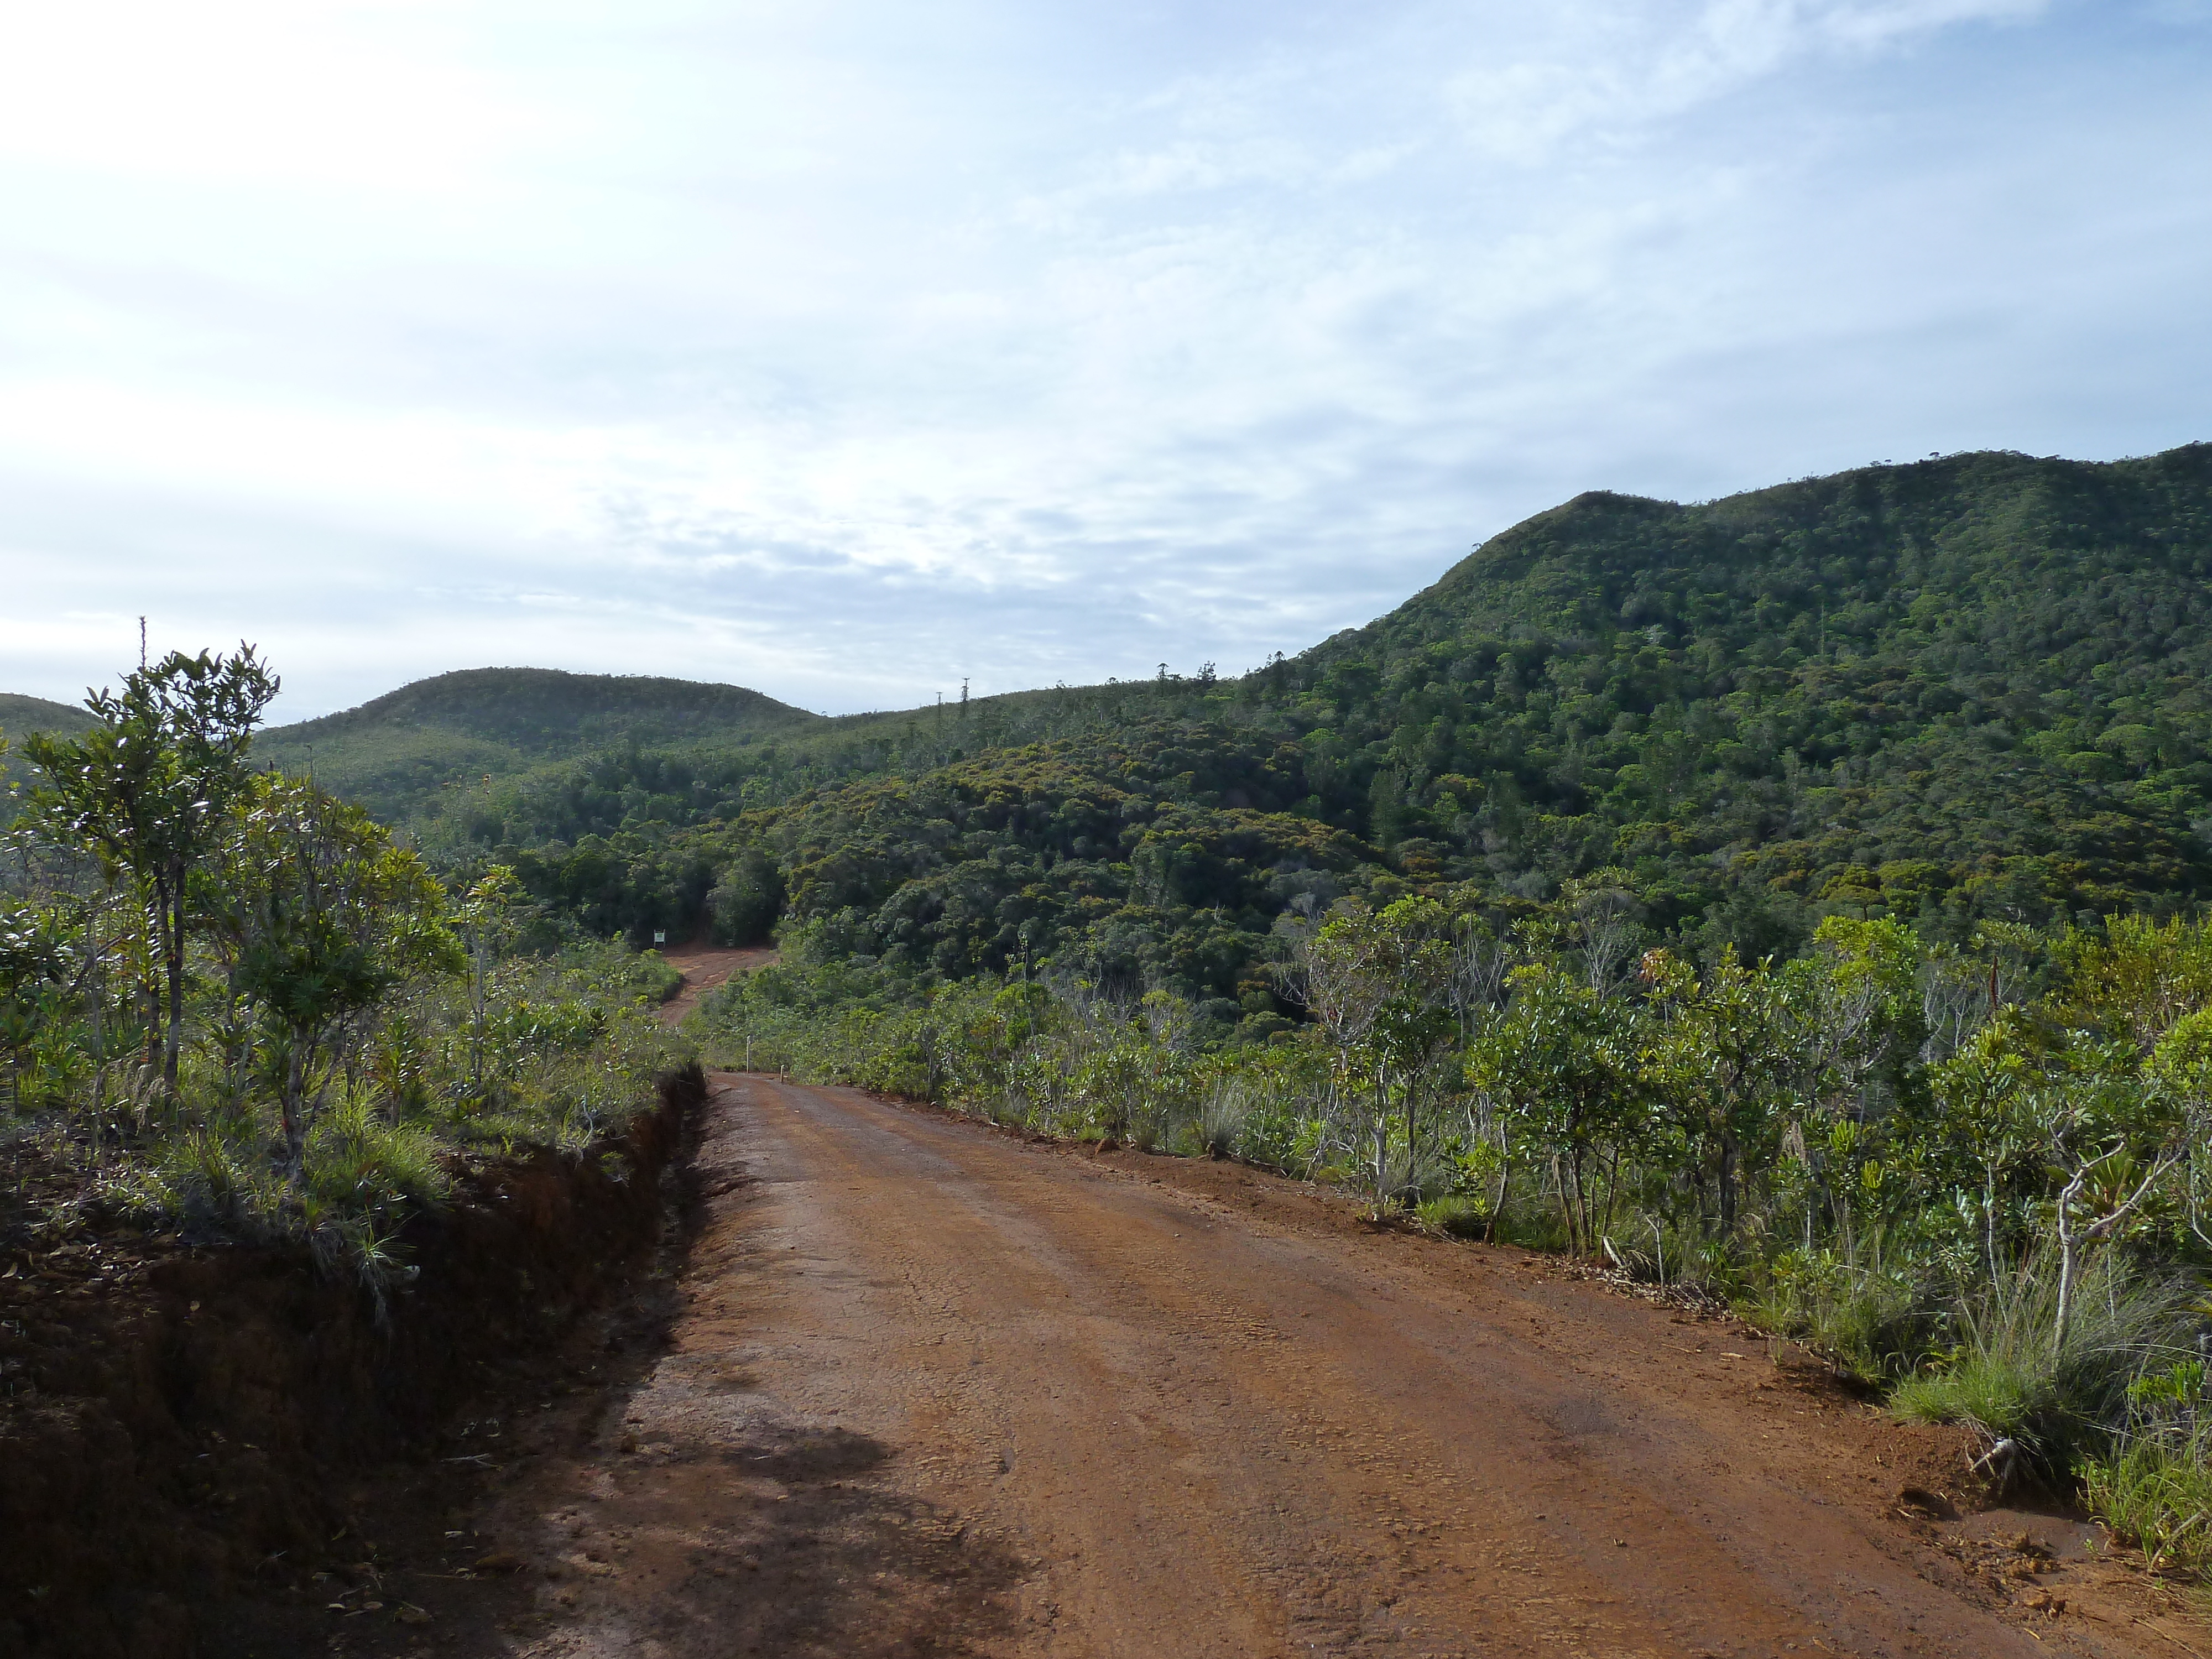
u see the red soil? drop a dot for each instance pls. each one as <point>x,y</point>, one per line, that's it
<point>930,1388</point>
<point>705,968</point>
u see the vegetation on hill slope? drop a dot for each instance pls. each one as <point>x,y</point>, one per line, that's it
<point>1963,691</point>
<point>1964,688</point>
<point>21,716</point>
<point>401,754</point>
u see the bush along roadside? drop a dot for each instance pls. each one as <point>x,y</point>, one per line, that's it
<point>233,1006</point>
<point>1979,1181</point>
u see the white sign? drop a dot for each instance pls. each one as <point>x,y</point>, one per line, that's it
<point>660,938</point>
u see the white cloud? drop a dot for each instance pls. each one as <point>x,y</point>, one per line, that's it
<point>845,349</point>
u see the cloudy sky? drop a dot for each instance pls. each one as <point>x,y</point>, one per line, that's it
<point>845,349</point>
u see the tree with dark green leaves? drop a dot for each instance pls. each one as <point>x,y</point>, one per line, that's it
<point>334,915</point>
<point>149,790</point>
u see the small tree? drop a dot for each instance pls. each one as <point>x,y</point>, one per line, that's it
<point>149,790</point>
<point>1725,1052</point>
<point>1984,1117</point>
<point>336,914</point>
<point>1379,983</point>
<point>488,918</point>
<point>1599,910</point>
<point>1561,1065</point>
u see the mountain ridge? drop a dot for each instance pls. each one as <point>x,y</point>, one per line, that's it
<point>1967,688</point>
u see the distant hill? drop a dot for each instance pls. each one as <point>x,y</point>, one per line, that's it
<point>1977,688</point>
<point>20,716</point>
<point>1974,686</point>
<point>392,753</point>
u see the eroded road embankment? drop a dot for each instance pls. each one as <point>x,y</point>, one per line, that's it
<point>935,1389</point>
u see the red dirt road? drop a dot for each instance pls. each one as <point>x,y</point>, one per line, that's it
<point>706,968</point>
<point>934,1389</point>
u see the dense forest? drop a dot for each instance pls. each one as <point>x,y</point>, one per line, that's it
<point>1962,691</point>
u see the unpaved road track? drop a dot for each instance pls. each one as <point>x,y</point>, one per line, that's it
<point>706,968</point>
<point>936,1389</point>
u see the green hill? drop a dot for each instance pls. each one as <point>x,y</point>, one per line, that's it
<point>20,716</point>
<point>1973,686</point>
<point>400,753</point>
<point>1970,688</point>
<point>1966,690</point>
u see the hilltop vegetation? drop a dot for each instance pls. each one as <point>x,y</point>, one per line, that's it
<point>1957,692</point>
<point>402,754</point>
<point>24,715</point>
<point>1959,689</point>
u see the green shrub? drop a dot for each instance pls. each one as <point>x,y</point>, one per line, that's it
<point>2155,1493</point>
<point>1458,1215</point>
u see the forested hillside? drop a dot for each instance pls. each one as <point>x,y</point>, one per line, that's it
<point>1963,690</point>
<point>1966,690</point>
<point>20,716</point>
<point>1972,686</point>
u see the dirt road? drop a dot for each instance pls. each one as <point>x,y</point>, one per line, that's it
<point>706,968</point>
<point>935,1389</point>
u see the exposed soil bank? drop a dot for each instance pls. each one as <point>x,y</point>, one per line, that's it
<point>172,1415</point>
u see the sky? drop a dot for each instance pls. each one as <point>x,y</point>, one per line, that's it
<point>848,349</point>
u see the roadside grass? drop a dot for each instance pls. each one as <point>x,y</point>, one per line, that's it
<point>1456,1215</point>
<point>1873,1319</point>
<point>568,1049</point>
<point>2155,1491</point>
<point>2010,1377</point>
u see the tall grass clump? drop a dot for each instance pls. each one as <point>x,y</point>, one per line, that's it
<point>1456,1215</point>
<point>1872,1317</point>
<point>2012,1376</point>
<point>2154,1489</point>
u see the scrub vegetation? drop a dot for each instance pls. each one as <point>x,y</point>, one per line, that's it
<point>1979,1179</point>
<point>233,1004</point>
